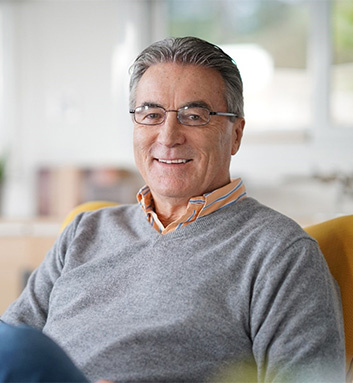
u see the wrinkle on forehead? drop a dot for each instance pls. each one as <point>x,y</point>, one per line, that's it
<point>165,84</point>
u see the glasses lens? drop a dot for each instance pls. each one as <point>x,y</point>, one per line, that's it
<point>149,115</point>
<point>194,116</point>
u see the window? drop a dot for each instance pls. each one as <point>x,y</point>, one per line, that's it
<point>268,41</point>
<point>292,81</point>
<point>342,70</point>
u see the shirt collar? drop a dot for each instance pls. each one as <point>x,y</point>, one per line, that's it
<point>197,207</point>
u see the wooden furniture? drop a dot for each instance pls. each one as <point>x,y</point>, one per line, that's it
<point>23,246</point>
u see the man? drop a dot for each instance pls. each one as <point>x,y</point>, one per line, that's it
<point>197,281</point>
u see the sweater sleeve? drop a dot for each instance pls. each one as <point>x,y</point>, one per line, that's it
<point>296,319</point>
<point>32,306</point>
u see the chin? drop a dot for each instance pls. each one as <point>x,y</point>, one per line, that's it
<point>174,192</point>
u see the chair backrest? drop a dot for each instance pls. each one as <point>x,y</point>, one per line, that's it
<point>335,238</point>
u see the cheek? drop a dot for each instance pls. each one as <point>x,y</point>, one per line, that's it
<point>138,144</point>
<point>142,144</point>
<point>221,144</point>
<point>141,141</point>
<point>213,145</point>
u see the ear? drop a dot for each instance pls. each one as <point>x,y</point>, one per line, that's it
<point>238,128</point>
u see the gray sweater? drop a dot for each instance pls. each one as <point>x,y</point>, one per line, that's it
<point>243,291</point>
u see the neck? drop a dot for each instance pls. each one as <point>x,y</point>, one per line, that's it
<point>170,211</point>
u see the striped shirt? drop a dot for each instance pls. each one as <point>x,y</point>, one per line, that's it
<point>197,206</point>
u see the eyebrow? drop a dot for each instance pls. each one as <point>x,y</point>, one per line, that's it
<point>197,104</point>
<point>152,105</point>
<point>191,104</point>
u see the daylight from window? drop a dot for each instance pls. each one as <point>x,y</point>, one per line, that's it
<point>270,41</point>
<point>342,71</point>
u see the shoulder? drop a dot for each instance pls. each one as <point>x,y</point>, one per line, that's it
<point>106,216</point>
<point>269,240</point>
<point>254,228</point>
<point>281,245</point>
<point>253,218</point>
<point>105,222</point>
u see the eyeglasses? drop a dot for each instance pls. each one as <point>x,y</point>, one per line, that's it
<point>188,115</point>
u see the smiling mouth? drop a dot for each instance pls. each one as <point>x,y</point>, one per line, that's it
<point>179,161</point>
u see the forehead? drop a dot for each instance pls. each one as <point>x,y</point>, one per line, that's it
<point>172,85</point>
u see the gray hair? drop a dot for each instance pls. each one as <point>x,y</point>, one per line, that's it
<point>191,50</point>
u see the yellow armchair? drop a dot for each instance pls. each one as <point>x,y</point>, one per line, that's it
<point>335,238</point>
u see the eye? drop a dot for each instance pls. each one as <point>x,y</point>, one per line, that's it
<point>148,115</point>
<point>153,116</point>
<point>193,116</point>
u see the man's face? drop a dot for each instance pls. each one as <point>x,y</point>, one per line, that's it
<point>205,150</point>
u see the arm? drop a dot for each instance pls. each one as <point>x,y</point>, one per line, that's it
<point>296,320</point>
<point>32,306</point>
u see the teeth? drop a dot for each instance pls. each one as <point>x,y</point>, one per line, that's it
<point>173,161</point>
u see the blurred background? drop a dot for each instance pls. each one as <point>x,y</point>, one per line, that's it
<point>65,130</point>
<point>66,134</point>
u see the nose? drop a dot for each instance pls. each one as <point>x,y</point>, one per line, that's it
<point>171,132</point>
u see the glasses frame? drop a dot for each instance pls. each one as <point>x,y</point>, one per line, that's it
<point>210,113</point>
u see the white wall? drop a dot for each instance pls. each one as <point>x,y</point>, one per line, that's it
<point>66,65</point>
